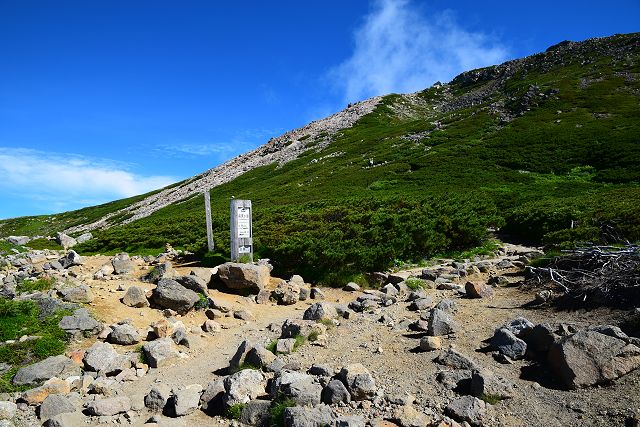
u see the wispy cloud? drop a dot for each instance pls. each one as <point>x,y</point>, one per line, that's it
<point>398,49</point>
<point>68,181</point>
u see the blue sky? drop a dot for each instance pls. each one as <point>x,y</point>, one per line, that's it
<point>106,99</point>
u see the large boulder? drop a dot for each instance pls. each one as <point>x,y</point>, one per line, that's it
<point>185,401</point>
<point>84,238</point>
<point>157,398</point>
<point>160,271</point>
<point>124,334</point>
<point>358,381</point>
<point>508,344</point>
<point>53,405</point>
<point>79,294</point>
<point>65,241</point>
<point>244,277</point>
<point>102,357</point>
<point>195,283</point>
<point>160,352</point>
<point>467,408</point>
<point>171,294</point>
<point>79,321</point>
<point>302,388</point>
<point>54,366</point>
<point>298,416</point>
<point>109,406</point>
<point>287,293</point>
<point>335,392</point>
<point>135,297</point>
<point>243,386</point>
<point>18,240</point>
<point>70,259</point>
<point>122,264</point>
<point>441,323</point>
<point>590,357</point>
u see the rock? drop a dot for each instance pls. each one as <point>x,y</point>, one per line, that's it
<point>161,328</point>
<point>508,344</point>
<point>519,326</point>
<point>441,323</point>
<point>186,400</point>
<point>53,405</point>
<point>161,352</point>
<point>180,337</point>
<point>51,386</point>
<point>486,383</point>
<point>302,388</point>
<point>351,287</point>
<point>19,241</point>
<point>316,293</point>
<point>305,293</point>
<point>245,315</point>
<point>122,264</point>
<point>358,381</point>
<point>78,294</point>
<point>195,283</point>
<point>589,357</point>
<point>318,416</point>
<point>67,419</point>
<point>291,328</point>
<point>70,259</point>
<point>285,345</point>
<point>101,357</point>
<point>467,408</point>
<point>407,415</point>
<point>65,241</point>
<point>320,370</point>
<point>157,398</point>
<point>541,338</point>
<point>171,294</point>
<point>320,311</point>
<point>256,413</point>
<point>429,343</point>
<point>124,335</point>
<point>104,386</point>
<point>455,360</point>
<point>446,305</point>
<point>240,355</point>
<point>478,290</point>
<point>84,238</point>
<point>211,326</point>
<point>243,386</point>
<point>349,421</point>
<point>54,366</point>
<point>421,304</point>
<point>158,272</point>
<point>211,399</point>
<point>135,297</point>
<point>458,380</point>
<point>248,277</point>
<point>259,356</point>
<point>109,406</point>
<point>80,321</point>
<point>335,392</point>
<point>264,296</point>
<point>7,409</point>
<point>213,314</point>
<point>286,293</point>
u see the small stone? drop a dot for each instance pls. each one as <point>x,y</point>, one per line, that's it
<point>478,290</point>
<point>430,343</point>
<point>109,406</point>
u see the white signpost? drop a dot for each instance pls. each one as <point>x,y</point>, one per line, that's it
<point>241,229</point>
<point>207,209</point>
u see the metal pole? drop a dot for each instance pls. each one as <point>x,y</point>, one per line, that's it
<point>207,209</point>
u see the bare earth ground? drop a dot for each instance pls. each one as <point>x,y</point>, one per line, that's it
<point>388,352</point>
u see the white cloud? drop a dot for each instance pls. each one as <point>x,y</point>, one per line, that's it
<point>397,49</point>
<point>68,181</point>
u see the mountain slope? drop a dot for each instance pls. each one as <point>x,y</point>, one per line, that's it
<point>547,147</point>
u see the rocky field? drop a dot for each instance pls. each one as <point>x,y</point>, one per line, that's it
<point>153,341</point>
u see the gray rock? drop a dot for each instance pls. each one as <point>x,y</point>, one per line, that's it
<point>316,293</point>
<point>519,326</point>
<point>65,241</point>
<point>421,304</point>
<point>478,290</point>
<point>458,380</point>
<point>285,345</point>
<point>84,238</point>
<point>320,370</point>
<point>18,240</point>
<point>446,305</point>
<point>441,323</point>
<point>541,338</point>
<point>124,335</point>
<point>211,399</point>
<point>109,406</point>
<point>70,259</point>
<point>135,297</point>
<point>305,294</point>
<point>430,343</point>
<point>171,294</point>
<point>240,355</point>
<point>349,421</point>
<point>486,383</point>
<point>455,360</point>
<point>294,327</point>
<point>100,357</point>
<point>243,386</point>
<point>508,344</point>
<point>259,356</point>
<point>54,366</point>
<point>248,277</point>
<point>80,321</point>
<point>78,294</point>
<point>186,400</point>
<point>158,272</point>
<point>467,408</point>
<point>67,419</point>
<point>335,392</point>
<point>286,293</point>
<point>256,413</point>
<point>351,287</point>
<point>53,405</point>
<point>319,416</point>
<point>320,311</point>
<point>7,409</point>
<point>195,283</point>
<point>358,381</point>
<point>161,352</point>
<point>211,326</point>
<point>589,357</point>
<point>122,264</point>
<point>180,337</point>
<point>157,398</point>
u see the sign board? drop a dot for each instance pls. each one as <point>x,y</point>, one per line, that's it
<point>241,229</point>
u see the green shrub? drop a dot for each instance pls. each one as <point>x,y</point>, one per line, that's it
<point>277,411</point>
<point>414,283</point>
<point>41,284</point>
<point>234,412</point>
<point>202,303</point>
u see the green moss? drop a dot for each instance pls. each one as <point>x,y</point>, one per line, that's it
<point>491,399</point>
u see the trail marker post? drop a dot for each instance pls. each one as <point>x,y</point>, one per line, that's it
<point>241,229</point>
<point>207,210</point>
